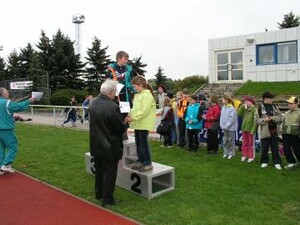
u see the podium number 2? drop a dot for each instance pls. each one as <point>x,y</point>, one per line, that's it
<point>137,183</point>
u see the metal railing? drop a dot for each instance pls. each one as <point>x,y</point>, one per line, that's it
<point>57,112</point>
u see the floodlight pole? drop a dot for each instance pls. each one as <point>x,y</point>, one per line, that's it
<point>78,19</point>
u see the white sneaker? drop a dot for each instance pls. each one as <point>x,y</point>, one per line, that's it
<point>230,157</point>
<point>277,166</point>
<point>243,159</point>
<point>250,160</point>
<point>264,165</point>
<point>7,168</point>
<point>290,165</point>
<point>2,172</point>
<point>224,156</point>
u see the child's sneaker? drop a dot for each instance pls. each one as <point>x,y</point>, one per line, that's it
<point>250,160</point>
<point>243,159</point>
<point>146,168</point>
<point>224,156</point>
<point>7,168</point>
<point>264,165</point>
<point>230,157</point>
<point>137,166</point>
<point>277,166</point>
<point>290,165</point>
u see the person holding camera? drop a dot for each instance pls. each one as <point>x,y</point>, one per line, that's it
<point>269,119</point>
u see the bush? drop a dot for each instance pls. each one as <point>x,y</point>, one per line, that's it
<point>63,96</point>
<point>192,83</point>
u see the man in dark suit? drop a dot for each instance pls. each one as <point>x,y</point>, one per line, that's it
<point>106,144</point>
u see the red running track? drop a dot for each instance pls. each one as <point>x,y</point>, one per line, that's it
<point>25,201</point>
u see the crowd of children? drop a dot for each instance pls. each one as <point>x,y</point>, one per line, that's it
<point>191,114</point>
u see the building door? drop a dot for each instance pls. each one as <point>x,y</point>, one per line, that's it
<point>230,66</point>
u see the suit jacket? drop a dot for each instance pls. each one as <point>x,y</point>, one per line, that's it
<point>106,129</point>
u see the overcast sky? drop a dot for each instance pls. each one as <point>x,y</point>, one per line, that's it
<point>171,34</point>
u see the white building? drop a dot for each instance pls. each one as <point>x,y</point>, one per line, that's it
<point>267,56</point>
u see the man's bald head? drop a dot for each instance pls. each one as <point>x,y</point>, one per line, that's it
<point>4,93</point>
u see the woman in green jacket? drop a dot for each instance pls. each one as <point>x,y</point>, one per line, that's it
<point>142,119</point>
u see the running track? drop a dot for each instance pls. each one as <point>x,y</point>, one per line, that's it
<point>26,201</point>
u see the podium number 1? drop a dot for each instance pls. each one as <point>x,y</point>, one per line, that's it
<point>137,183</point>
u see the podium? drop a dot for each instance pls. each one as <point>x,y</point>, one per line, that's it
<point>146,184</point>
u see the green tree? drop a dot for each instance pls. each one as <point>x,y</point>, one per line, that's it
<point>29,63</point>
<point>137,66</point>
<point>289,20</point>
<point>14,69</point>
<point>31,67</point>
<point>97,63</point>
<point>160,78</point>
<point>3,74</point>
<point>65,67</point>
<point>45,52</point>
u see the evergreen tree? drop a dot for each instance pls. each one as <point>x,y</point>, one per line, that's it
<point>97,63</point>
<point>65,67</point>
<point>26,57</point>
<point>14,69</point>
<point>160,78</point>
<point>31,67</point>
<point>289,20</point>
<point>45,52</point>
<point>3,75</point>
<point>137,66</point>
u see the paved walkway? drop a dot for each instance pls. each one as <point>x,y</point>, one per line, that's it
<point>47,118</point>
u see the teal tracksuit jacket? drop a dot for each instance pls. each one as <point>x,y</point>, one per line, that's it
<point>8,140</point>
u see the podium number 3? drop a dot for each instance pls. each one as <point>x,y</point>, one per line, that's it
<point>137,183</point>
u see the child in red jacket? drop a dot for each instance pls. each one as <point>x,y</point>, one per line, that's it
<point>212,123</point>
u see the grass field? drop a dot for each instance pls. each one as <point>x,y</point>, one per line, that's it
<point>209,189</point>
<point>278,88</point>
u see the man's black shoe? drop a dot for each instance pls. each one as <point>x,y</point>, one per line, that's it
<point>98,197</point>
<point>104,203</point>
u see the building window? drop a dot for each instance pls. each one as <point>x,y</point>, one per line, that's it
<point>287,52</point>
<point>266,54</point>
<point>276,53</point>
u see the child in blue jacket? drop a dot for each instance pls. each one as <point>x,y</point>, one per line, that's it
<point>193,123</point>
<point>122,72</point>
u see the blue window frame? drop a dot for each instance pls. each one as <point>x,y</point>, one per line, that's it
<point>276,53</point>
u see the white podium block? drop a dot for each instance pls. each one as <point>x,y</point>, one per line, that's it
<point>89,163</point>
<point>129,152</point>
<point>146,184</point>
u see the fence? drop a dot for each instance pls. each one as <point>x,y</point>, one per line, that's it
<point>53,114</point>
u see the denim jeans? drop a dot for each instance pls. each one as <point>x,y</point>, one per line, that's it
<point>142,147</point>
